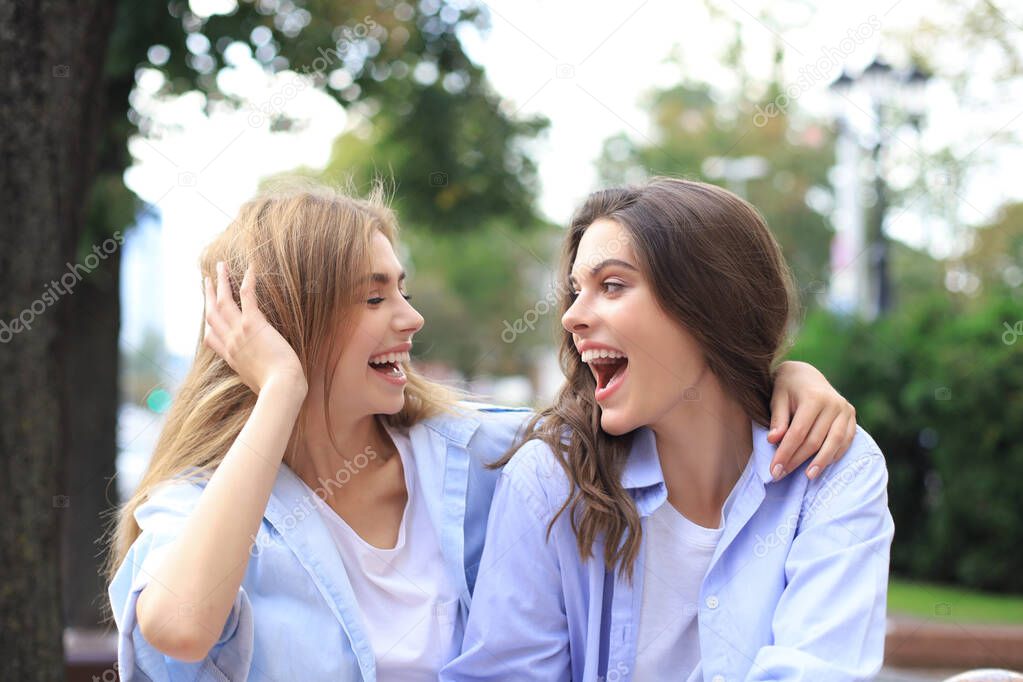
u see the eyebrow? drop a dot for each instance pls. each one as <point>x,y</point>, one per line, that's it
<point>606,263</point>
<point>384,278</point>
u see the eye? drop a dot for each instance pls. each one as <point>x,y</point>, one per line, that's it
<point>612,287</point>
<point>377,300</point>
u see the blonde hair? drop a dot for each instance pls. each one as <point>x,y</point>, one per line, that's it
<point>310,249</point>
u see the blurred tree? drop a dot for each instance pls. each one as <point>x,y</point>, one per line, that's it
<point>67,118</point>
<point>692,125</point>
<point>465,193</point>
<point>996,257</point>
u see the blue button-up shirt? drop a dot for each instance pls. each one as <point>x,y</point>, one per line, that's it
<point>296,616</point>
<point>795,590</point>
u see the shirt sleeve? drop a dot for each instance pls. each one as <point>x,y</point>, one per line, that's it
<point>161,519</point>
<point>829,625</point>
<point>515,633</point>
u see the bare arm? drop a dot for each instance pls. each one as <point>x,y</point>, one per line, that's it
<point>183,608</point>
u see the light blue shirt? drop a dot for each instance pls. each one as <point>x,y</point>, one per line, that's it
<point>795,590</point>
<point>295,616</point>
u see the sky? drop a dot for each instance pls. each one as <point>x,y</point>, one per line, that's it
<point>585,66</point>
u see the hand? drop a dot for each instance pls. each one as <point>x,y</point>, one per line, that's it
<point>824,422</point>
<point>244,338</point>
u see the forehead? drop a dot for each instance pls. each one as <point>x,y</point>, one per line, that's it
<point>382,254</point>
<point>602,240</point>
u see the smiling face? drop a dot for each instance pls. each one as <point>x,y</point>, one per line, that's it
<point>642,360</point>
<point>370,377</point>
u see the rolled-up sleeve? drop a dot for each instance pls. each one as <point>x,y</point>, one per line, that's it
<point>517,628</point>
<point>161,519</point>
<point>829,625</point>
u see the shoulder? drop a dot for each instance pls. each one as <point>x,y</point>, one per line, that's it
<point>492,429</point>
<point>169,503</point>
<point>498,419</point>
<point>535,473</point>
<point>860,477</point>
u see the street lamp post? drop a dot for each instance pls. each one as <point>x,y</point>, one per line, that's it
<point>886,89</point>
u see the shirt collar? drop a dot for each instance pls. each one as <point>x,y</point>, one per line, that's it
<point>643,466</point>
<point>457,426</point>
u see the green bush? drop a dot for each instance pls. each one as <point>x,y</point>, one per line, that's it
<point>941,392</point>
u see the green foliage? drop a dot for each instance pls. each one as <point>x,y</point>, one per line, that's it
<point>928,600</point>
<point>456,160</point>
<point>940,388</point>
<point>692,125</point>
<point>424,116</point>
<point>373,45</point>
<point>470,287</point>
<point>465,192</point>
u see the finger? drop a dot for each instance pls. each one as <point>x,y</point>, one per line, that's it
<point>208,293</point>
<point>796,433</point>
<point>212,317</point>
<point>213,341</point>
<point>780,416</point>
<point>813,442</point>
<point>850,435</point>
<point>830,450</point>
<point>225,297</point>
<point>247,292</point>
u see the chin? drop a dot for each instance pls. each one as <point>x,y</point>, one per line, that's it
<point>614,423</point>
<point>393,406</point>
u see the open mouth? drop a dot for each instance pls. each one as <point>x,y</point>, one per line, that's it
<point>389,364</point>
<point>608,366</point>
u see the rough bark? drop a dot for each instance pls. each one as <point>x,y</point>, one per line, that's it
<point>51,59</point>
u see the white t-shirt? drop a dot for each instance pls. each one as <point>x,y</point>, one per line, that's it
<point>405,596</point>
<point>677,556</point>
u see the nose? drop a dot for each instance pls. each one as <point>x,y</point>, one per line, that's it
<point>577,317</point>
<point>408,320</point>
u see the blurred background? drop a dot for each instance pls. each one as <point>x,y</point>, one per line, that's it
<point>881,140</point>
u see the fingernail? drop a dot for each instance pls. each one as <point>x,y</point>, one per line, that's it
<point>777,470</point>
<point>812,473</point>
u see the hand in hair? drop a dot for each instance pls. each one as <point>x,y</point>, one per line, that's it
<point>244,338</point>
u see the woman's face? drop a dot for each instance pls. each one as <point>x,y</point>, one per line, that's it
<point>369,378</point>
<point>615,312</point>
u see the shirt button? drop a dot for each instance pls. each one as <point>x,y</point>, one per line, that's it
<point>712,602</point>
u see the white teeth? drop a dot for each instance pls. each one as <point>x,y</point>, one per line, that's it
<point>601,354</point>
<point>389,357</point>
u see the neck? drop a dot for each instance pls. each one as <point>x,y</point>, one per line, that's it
<point>703,445</point>
<point>362,444</point>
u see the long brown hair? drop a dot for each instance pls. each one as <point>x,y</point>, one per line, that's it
<point>717,270</point>
<point>310,248</point>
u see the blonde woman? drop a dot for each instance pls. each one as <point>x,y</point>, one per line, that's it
<point>314,509</point>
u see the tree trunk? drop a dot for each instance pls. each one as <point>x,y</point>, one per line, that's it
<point>91,360</point>
<point>51,59</point>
